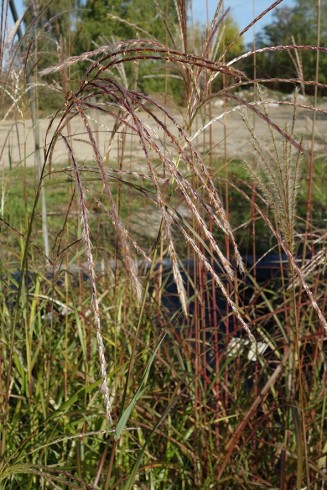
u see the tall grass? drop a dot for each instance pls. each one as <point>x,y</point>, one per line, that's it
<point>101,385</point>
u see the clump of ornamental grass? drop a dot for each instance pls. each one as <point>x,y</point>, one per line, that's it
<point>276,173</point>
<point>178,158</point>
<point>178,421</point>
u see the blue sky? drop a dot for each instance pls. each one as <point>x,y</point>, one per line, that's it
<point>243,11</point>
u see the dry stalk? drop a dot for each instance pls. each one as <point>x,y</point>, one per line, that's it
<point>277,176</point>
<point>299,272</point>
<point>92,273</point>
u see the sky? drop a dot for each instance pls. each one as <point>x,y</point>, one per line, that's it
<point>242,11</point>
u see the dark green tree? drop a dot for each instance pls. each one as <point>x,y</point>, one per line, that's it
<point>51,24</point>
<point>102,22</point>
<point>50,34</point>
<point>94,25</point>
<point>292,25</point>
<point>132,17</point>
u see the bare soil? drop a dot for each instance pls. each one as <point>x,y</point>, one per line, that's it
<point>227,136</point>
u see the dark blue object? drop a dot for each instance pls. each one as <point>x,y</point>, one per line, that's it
<point>210,317</point>
<point>265,272</point>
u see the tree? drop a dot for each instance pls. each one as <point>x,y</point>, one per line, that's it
<point>298,24</point>
<point>51,22</point>
<point>104,21</point>
<point>231,30</point>
<point>143,18</point>
<point>227,34</point>
<point>96,24</point>
<point>50,33</point>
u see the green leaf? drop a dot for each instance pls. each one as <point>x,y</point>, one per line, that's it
<point>127,412</point>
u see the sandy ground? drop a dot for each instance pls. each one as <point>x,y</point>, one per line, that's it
<point>229,136</point>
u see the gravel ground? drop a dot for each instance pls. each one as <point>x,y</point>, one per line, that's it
<point>229,135</point>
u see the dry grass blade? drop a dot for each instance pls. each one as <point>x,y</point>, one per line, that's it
<point>127,100</point>
<point>126,254</point>
<point>130,24</point>
<point>290,256</point>
<point>202,174</point>
<point>212,31</point>
<point>260,103</point>
<point>208,267</point>
<point>94,295</point>
<point>176,271</point>
<point>182,15</point>
<point>3,30</point>
<point>287,47</point>
<point>262,14</point>
<point>139,49</point>
<point>277,176</point>
<point>100,204</point>
<point>258,400</point>
<point>265,118</point>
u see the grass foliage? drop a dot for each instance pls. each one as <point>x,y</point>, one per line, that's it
<point>101,386</point>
